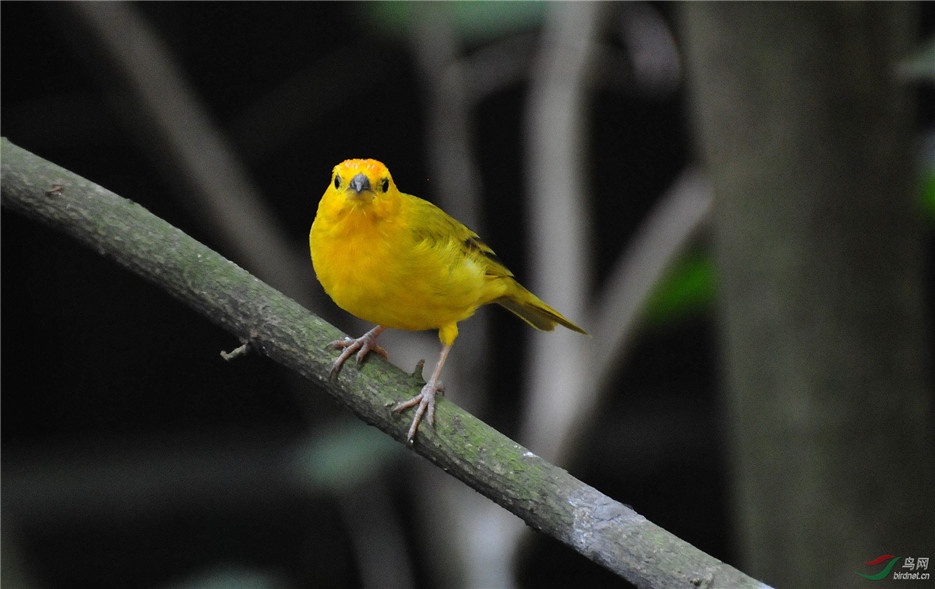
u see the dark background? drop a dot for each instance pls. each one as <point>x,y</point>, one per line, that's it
<point>134,456</point>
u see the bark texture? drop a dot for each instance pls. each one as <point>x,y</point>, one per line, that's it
<point>820,247</point>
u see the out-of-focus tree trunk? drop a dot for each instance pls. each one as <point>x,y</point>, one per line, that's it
<point>807,135</point>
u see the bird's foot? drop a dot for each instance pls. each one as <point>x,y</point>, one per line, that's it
<point>362,346</point>
<point>425,407</point>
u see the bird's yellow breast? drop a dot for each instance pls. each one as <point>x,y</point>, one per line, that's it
<point>381,261</point>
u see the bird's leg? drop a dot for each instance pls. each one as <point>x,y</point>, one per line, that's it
<point>363,345</point>
<point>426,398</point>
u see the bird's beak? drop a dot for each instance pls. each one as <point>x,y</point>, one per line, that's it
<point>359,183</point>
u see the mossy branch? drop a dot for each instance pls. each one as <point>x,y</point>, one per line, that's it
<point>546,497</point>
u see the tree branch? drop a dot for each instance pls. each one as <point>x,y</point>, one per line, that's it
<point>546,497</point>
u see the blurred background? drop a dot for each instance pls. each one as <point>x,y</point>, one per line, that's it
<point>134,456</point>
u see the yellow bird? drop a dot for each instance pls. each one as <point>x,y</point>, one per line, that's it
<point>401,262</point>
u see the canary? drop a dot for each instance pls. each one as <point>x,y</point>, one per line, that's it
<point>400,262</point>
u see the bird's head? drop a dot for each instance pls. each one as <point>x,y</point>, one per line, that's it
<point>361,183</point>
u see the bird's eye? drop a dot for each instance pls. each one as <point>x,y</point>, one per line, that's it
<point>337,181</point>
<point>385,184</point>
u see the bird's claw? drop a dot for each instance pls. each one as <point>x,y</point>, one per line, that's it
<point>425,407</point>
<point>363,346</point>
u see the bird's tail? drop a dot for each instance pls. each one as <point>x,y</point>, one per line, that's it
<point>534,311</point>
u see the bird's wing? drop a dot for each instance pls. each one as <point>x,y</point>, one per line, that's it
<point>438,227</point>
